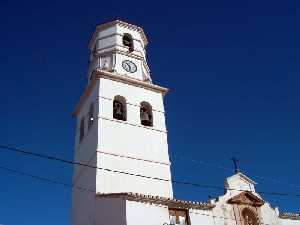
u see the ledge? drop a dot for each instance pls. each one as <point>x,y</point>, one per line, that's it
<point>122,24</point>
<point>170,202</point>
<point>291,216</point>
<point>115,77</point>
<point>132,81</point>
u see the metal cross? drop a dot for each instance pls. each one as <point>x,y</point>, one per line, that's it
<point>236,164</point>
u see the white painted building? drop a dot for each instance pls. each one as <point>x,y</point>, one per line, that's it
<point>121,135</point>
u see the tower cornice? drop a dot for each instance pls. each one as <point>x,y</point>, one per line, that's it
<point>122,24</point>
<point>116,77</point>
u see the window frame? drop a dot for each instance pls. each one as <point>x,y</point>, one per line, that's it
<point>177,214</point>
<point>91,116</point>
<point>130,40</point>
<point>148,106</point>
<point>122,101</point>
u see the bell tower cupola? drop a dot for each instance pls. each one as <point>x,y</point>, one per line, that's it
<point>119,47</point>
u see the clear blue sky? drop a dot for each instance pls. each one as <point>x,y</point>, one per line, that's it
<point>232,67</point>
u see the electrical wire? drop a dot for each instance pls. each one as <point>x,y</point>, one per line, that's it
<point>8,148</point>
<point>44,179</point>
<point>213,165</point>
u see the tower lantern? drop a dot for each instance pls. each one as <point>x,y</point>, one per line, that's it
<point>119,47</point>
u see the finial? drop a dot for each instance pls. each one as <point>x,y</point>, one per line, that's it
<point>236,164</point>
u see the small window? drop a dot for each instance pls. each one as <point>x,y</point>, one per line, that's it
<point>119,108</point>
<point>178,217</point>
<point>81,130</point>
<point>128,41</point>
<point>146,114</point>
<point>91,116</point>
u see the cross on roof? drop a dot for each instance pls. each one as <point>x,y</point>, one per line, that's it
<point>236,164</point>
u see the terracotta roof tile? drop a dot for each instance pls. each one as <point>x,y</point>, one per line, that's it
<point>292,216</point>
<point>170,202</point>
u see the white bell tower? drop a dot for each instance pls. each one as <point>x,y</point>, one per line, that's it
<point>119,47</point>
<point>120,123</point>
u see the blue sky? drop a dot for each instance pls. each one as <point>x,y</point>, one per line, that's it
<point>232,67</point>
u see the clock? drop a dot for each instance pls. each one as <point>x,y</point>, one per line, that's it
<point>129,66</point>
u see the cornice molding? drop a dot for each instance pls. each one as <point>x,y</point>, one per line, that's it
<point>132,81</point>
<point>122,24</point>
<point>115,34</point>
<point>114,49</point>
<point>246,198</point>
<point>291,216</point>
<point>115,77</point>
<point>150,199</point>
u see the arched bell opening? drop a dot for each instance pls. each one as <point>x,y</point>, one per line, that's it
<point>91,116</point>
<point>249,217</point>
<point>119,108</point>
<point>128,41</point>
<point>146,114</point>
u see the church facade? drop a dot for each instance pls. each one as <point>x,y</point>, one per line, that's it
<point>123,176</point>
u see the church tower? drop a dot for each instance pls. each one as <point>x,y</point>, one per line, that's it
<point>121,131</point>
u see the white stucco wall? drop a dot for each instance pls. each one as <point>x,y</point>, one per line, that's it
<point>118,67</point>
<point>224,213</point>
<point>85,177</point>
<point>83,201</point>
<point>238,183</point>
<point>289,222</point>
<point>269,215</point>
<point>137,39</point>
<point>146,214</point>
<point>129,146</point>
<point>108,182</point>
<point>134,96</point>
<point>201,217</point>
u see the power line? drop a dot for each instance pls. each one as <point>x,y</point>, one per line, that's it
<point>44,179</point>
<point>200,162</point>
<point>13,149</point>
<point>226,168</point>
<point>192,160</point>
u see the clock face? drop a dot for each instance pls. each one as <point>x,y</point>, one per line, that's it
<point>129,66</point>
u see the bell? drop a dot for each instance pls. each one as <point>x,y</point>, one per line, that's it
<point>118,114</point>
<point>145,119</point>
<point>126,42</point>
<point>131,47</point>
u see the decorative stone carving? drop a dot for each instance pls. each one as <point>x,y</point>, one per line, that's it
<point>246,198</point>
<point>106,63</point>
